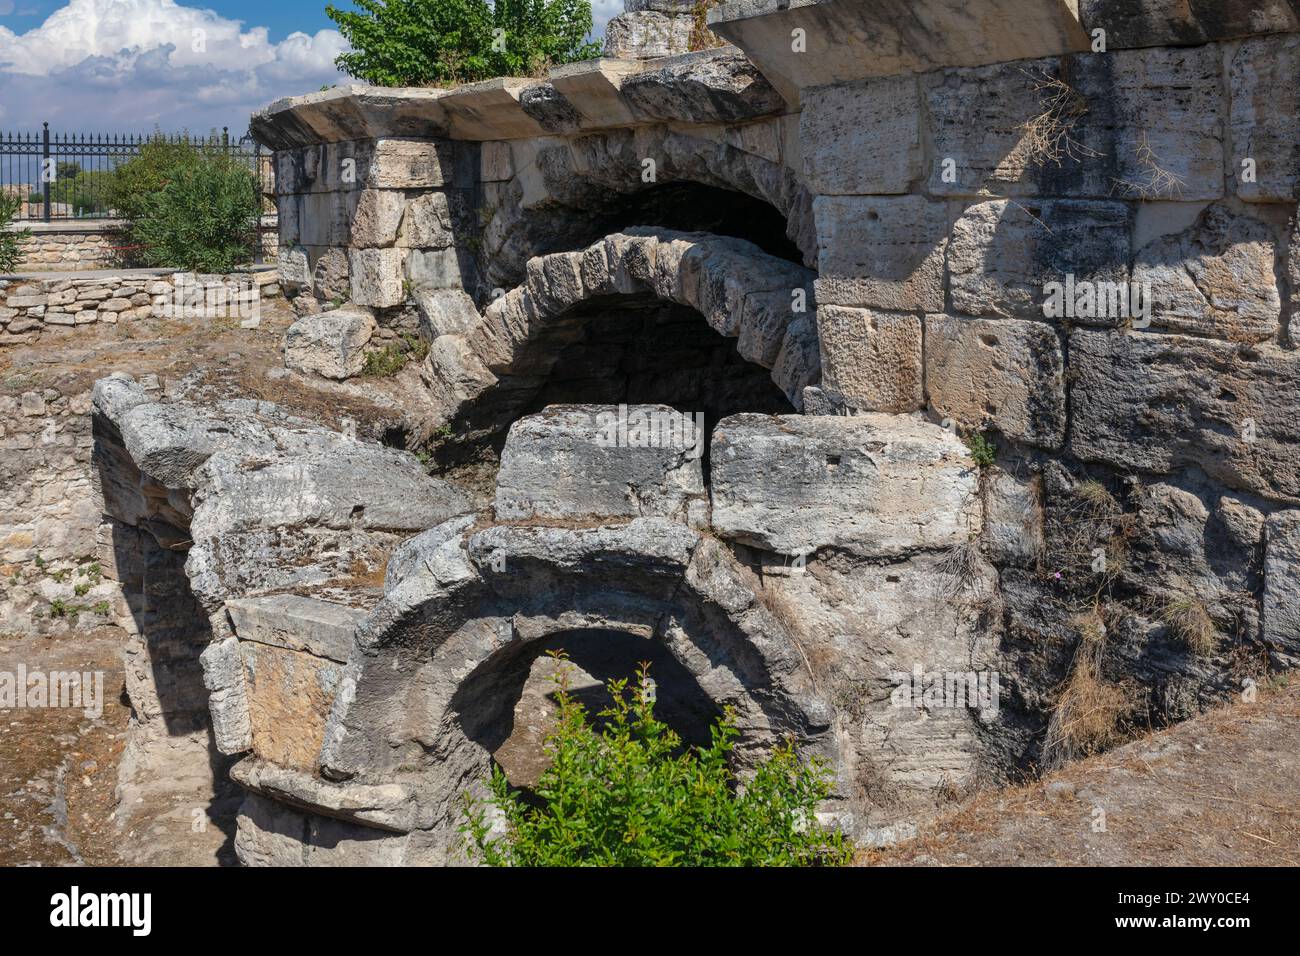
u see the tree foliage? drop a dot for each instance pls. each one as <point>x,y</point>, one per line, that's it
<point>628,794</point>
<point>437,42</point>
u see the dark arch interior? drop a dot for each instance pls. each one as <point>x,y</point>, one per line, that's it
<point>694,207</point>
<point>508,705</point>
<point>621,349</point>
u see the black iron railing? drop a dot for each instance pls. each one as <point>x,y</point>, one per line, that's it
<point>61,176</point>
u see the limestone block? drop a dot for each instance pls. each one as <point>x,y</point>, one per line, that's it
<point>643,34</point>
<point>1003,373</point>
<point>1013,517</point>
<point>223,677</point>
<point>1266,117</point>
<point>411,164</point>
<point>495,162</point>
<point>1216,279</point>
<point>1091,126</point>
<point>434,220</point>
<point>376,277</point>
<point>1142,23</point>
<point>1282,583</point>
<point>376,214</point>
<point>717,86</point>
<point>871,360</point>
<point>445,312</point>
<point>296,623</point>
<point>1156,403</point>
<point>582,460</point>
<point>330,344</point>
<point>449,268</point>
<point>884,253</point>
<point>289,698</point>
<point>1003,254</point>
<point>878,485</point>
<point>862,138</point>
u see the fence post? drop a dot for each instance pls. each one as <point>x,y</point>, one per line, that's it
<point>45,167</point>
<point>259,250</point>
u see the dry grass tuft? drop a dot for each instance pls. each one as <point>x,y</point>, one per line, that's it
<point>1049,136</point>
<point>1157,182</point>
<point>1087,715</point>
<point>1190,622</point>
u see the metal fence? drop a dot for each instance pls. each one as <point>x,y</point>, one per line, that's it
<point>61,176</point>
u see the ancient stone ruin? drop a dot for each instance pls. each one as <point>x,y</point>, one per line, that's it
<point>916,379</point>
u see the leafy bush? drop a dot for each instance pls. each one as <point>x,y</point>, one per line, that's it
<point>9,240</point>
<point>392,358</point>
<point>430,42</point>
<point>200,216</point>
<point>627,794</point>
<point>135,181</point>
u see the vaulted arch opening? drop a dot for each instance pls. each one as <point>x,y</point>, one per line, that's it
<point>509,705</point>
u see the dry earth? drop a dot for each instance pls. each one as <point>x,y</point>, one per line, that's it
<point>1217,790</point>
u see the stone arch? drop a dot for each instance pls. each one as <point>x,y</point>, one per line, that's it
<point>564,188</point>
<point>741,292</point>
<point>464,603</point>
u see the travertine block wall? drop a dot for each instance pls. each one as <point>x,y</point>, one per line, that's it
<point>1173,168</point>
<point>376,222</point>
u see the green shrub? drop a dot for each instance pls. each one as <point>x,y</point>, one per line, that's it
<point>982,450</point>
<point>392,358</point>
<point>429,42</point>
<point>135,181</point>
<point>9,240</point>
<point>202,218</point>
<point>628,794</point>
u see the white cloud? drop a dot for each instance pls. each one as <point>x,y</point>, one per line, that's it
<point>131,64</point>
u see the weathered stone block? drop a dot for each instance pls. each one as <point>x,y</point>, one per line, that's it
<point>1266,118</point>
<point>375,217</point>
<point>411,164</point>
<point>599,460</point>
<point>643,34</point>
<point>1142,23</point>
<point>793,484</point>
<point>871,361</point>
<point>862,138</point>
<point>445,312</point>
<point>296,623</point>
<point>289,698</point>
<point>881,253</point>
<point>1282,583</point>
<point>1003,254</point>
<point>449,268</point>
<point>1013,517</point>
<point>433,220</point>
<point>1090,126</point>
<point>1155,403</point>
<point>330,344</point>
<point>1216,279</point>
<point>1003,373</point>
<point>376,277</point>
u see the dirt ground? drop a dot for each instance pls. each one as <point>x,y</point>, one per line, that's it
<point>1218,790</point>
<point>58,767</point>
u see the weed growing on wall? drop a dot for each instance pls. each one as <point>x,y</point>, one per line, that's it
<point>627,794</point>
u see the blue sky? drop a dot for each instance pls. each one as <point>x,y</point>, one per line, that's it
<point>128,65</point>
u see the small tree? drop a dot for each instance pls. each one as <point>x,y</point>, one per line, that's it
<point>135,181</point>
<point>431,42</point>
<point>629,795</point>
<point>10,239</point>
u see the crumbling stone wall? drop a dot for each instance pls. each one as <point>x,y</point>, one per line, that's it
<point>1008,462</point>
